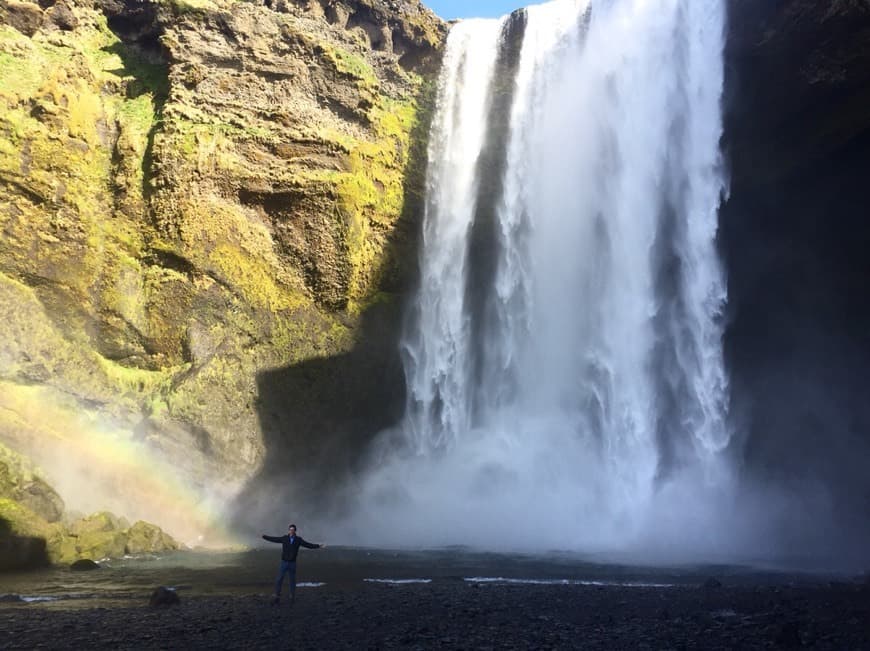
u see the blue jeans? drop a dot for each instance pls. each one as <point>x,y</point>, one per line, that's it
<point>286,568</point>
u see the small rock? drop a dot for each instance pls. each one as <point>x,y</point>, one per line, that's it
<point>711,583</point>
<point>163,596</point>
<point>84,565</point>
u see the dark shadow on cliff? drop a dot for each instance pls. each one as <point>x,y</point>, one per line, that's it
<point>20,552</point>
<point>795,239</point>
<point>319,417</point>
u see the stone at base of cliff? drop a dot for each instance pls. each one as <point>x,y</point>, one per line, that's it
<point>84,565</point>
<point>163,597</point>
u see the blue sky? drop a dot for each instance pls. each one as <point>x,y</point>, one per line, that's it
<point>449,9</point>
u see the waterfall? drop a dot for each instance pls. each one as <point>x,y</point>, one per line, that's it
<point>563,354</point>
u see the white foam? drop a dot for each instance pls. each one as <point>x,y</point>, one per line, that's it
<point>621,584</point>
<point>398,581</point>
<point>310,584</point>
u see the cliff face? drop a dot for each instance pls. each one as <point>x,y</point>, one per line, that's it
<point>795,238</point>
<point>192,193</point>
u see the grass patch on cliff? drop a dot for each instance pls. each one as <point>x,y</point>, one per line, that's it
<point>352,65</point>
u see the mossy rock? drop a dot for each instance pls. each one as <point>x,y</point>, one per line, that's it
<point>101,535</point>
<point>101,522</point>
<point>42,499</point>
<point>145,538</point>
<point>91,544</point>
<point>84,565</point>
<point>19,483</point>
<point>20,520</point>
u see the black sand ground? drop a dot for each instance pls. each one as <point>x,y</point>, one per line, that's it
<point>461,615</point>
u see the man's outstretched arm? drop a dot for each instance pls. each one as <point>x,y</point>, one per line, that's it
<point>273,538</point>
<point>309,545</point>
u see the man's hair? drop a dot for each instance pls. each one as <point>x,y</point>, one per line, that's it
<point>291,526</point>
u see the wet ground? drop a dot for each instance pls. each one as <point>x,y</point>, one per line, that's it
<point>443,599</point>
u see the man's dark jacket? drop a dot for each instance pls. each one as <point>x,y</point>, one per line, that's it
<point>290,547</point>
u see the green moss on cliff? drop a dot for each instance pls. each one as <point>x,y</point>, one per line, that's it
<point>349,64</point>
<point>372,193</point>
<point>63,127</point>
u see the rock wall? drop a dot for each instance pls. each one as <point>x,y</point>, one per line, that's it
<point>795,236</point>
<point>193,192</point>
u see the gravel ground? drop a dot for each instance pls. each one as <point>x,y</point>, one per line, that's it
<point>461,615</point>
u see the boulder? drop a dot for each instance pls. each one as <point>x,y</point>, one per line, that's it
<point>42,499</point>
<point>98,522</point>
<point>84,565</point>
<point>144,538</point>
<point>20,482</point>
<point>98,544</point>
<point>164,597</point>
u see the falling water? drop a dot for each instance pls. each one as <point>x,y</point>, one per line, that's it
<point>564,353</point>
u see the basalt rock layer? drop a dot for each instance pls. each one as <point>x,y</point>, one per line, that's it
<point>192,192</point>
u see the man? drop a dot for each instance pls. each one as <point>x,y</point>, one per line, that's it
<point>290,547</point>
